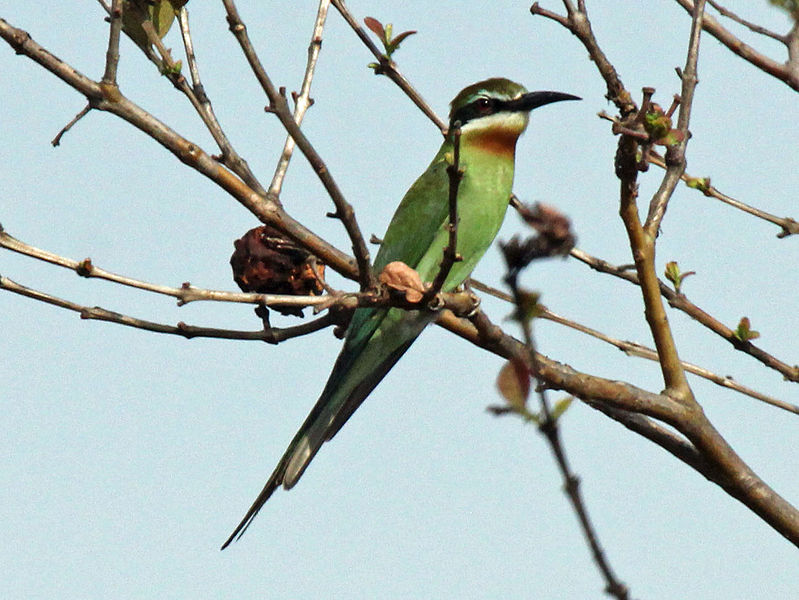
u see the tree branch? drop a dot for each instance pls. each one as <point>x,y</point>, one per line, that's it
<point>725,467</point>
<point>754,27</point>
<point>784,72</point>
<point>578,23</point>
<point>185,150</point>
<point>675,153</point>
<point>389,68</point>
<point>112,54</point>
<point>788,225</point>
<point>302,101</point>
<point>548,426</point>
<point>272,335</point>
<point>279,106</point>
<point>202,104</point>
<point>681,302</point>
<point>451,256</point>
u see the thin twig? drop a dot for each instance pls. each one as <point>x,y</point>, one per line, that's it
<point>83,112</point>
<point>196,95</point>
<point>302,101</point>
<point>788,225</point>
<point>641,351</point>
<point>271,335</point>
<point>785,72</point>
<point>458,302</point>
<point>636,349</point>
<point>451,255</point>
<point>549,427</point>
<point>279,106</point>
<point>754,27</point>
<point>578,23</point>
<point>389,68</point>
<point>724,467</point>
<point>681,302</point>
<point>675,154</point>
<point>185,150</point>
<point>112,53</point>
<point>205,110</point>
<point>184,294</point>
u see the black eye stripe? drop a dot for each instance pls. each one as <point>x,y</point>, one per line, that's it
<point>480,107</point>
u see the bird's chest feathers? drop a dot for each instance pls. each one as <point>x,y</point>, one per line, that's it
<point>496,142</point>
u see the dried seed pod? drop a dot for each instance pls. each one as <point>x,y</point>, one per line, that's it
<point>266,261</point>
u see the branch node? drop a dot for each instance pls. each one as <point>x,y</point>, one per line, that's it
<point>84,268</point>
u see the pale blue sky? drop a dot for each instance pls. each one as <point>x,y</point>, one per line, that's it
<point>126,458</point>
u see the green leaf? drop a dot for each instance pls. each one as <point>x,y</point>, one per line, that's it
<point>744,332</point>
<point>672,272</point>
<point>561,406</point>
<point>513,383</point>
<point>699,183</point>
<point>672,137</point>
<point>674,275</point>
<point>656,123</point>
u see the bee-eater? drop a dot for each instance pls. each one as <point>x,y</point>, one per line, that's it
<point>491,114</point>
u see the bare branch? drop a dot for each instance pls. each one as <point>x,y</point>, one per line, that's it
<point>681,302</point>
<point>577,22</point>
<point>271,335</point>
<point>185,150</point>
<point>83,112</point>
<point>639,350</point>
<point>789,226</point>
<point>389,68</point>
<point>636,349</point>
<point>548,425</point>
<point>451,255</point>
<point>784,72</point>
<point>112,54</point>
<point>483,333</point>
<point>754,27</point>
<point>302,101</point>
<point>279,106</point>
<point>202,104</point>
<point>675,154</point>
<point>643,250</point>
<point>664,437</point>
<point>184,294</point>
<point>733,474</point>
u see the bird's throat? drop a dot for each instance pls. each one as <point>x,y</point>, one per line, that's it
<point>497,142</point>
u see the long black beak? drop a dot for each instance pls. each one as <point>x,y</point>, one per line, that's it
<point>532,100</point>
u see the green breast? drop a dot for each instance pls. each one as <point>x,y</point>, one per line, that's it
<point>483,197</point>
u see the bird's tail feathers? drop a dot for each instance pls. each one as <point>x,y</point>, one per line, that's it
<point>355,374</point>
<point>272,484</point>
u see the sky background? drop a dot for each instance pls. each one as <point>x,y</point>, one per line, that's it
<point>127,457</point>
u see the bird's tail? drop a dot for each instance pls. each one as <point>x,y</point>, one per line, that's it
<point>362,364</point>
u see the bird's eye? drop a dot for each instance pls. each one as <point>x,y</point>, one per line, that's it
<point>483,104</point>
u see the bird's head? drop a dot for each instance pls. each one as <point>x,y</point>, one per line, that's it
<point>494,113</point>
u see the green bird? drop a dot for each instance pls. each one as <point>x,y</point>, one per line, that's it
<point>491,114</point>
